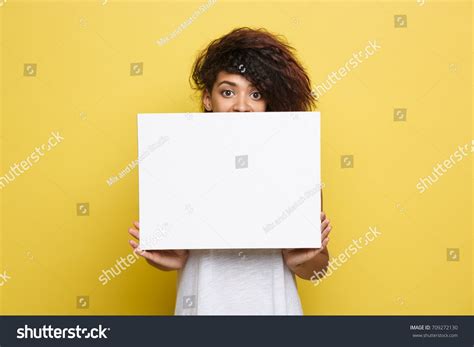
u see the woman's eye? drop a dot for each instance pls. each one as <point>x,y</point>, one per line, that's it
<point>256,95</point>
<point>227,93</point>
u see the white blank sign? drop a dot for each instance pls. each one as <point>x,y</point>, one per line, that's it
<point>229,180</point>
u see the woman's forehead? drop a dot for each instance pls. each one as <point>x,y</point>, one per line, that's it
<point>238,80</point>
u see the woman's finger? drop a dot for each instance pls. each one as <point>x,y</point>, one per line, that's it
<point>325,233</point>
<point>162,260</point>
<point>323,216</point>
<point>137,224</point>
<point>324,224</point>
<point>324,243</point>
<point>134,233</point>
<point>133,244</point>
<point>153,259</point>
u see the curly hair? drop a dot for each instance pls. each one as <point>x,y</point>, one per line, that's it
<point>264,59</point>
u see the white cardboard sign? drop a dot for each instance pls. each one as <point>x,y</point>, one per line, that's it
<point>229,180</point>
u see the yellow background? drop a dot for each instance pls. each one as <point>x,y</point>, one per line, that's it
<point>83,89</point>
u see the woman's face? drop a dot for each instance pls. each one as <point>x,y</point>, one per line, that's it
<point>233,93</point>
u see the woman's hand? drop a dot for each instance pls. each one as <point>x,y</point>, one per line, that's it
<point>165,260</point>
<point>303,261</point>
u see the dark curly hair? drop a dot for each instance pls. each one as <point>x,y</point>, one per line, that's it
<point>266,60</point>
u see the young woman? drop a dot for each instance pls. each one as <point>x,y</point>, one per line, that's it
<point>246,70</point>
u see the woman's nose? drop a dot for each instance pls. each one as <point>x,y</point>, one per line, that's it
<point>241,104</point>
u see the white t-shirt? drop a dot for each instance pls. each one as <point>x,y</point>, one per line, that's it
<point>237,282</point>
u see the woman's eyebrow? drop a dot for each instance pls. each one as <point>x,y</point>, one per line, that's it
<point>228,82</point>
